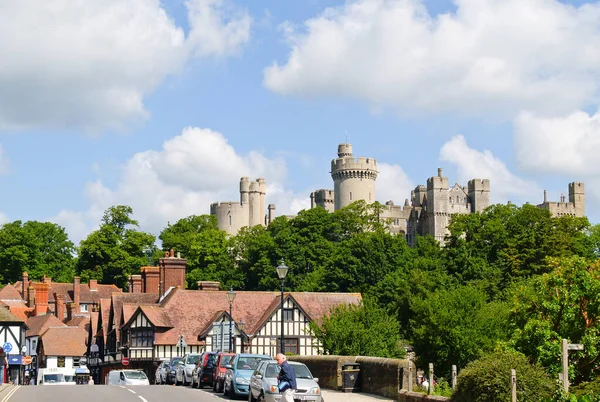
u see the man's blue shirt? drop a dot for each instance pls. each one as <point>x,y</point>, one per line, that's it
<point>287,374</point>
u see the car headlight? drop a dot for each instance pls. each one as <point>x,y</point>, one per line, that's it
<point>242,380</point>
<point>273,389</point>
<point>172,371</point>
<point>314,390</point>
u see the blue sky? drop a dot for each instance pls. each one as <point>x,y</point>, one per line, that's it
<point>165,105</point>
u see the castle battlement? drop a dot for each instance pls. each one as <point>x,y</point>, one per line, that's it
<point>350,163</point>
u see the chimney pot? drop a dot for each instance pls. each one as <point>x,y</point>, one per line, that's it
<point>76,292</point>
<point>171,253</point>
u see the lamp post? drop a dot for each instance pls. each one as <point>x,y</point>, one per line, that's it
<point>230,298</point>
<point>242,326</point>
<point>282,271</point>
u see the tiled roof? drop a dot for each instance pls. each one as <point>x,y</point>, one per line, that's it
<point>136,298</point>
<point>181,306</point>
<point>157,316</point>
<point>38,324</point>
<point>94,322</point>
<point>22,311</point>
<point>64,341</point>
<point>86,295</point>
<point>7,316</point>
<point>9,292</point>
<point>104,315</point>
<point>79,321</point>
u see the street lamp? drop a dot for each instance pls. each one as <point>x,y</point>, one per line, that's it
<point>282,271</point>
<point>241,326</point>
<point>230,298</point>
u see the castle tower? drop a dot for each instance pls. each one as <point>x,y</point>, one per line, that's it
<point>258,190</point>
<point>479,194</point>
<point>244,190</point>
<point>577,197</point>
<point>437,206</point>
<point>353,179</point>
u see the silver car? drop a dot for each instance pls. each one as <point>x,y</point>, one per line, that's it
<point>263,383</point>
<point>185,368</point>
<point>160,377</point>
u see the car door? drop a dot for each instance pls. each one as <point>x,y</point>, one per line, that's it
<point>229,373</point>
<point>256,379</point>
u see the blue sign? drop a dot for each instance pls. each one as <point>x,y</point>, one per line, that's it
<point>7,347</point>
<point>15,359</point>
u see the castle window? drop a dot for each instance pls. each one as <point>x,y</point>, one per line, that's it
<point>369,196</point>
<point>350,195</point>
<point>229,220</point>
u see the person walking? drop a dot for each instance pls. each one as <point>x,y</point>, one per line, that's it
<point>91,381</point>
<point>286,378</point>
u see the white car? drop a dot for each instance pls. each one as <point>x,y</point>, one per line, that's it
<point>127,377</point>
<point>186,368</point>
<point>263,383</point>
<point>160,377</point>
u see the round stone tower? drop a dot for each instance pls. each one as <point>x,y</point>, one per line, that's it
<point>353,179</point>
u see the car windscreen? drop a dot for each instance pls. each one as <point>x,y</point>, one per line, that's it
<point>135,375</point>
<point>272,370</point>
<point>301,371</point>
<point>175,361</point>
<point>225,359</point>
<point>192,359</point>
<point>212,359</point>
<point>248,362</point>
<point>54,378</point>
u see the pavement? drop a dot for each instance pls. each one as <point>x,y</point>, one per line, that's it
<point>4,387</point>
<point>339,396</point>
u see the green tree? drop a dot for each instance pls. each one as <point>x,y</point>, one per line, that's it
<point>456,326</point>
<point>38,248</point>
<point>359,330</point>
<point>562,304</point>
<point>488,379</point>
<point>116,250</point>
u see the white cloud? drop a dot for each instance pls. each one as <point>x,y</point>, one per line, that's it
<point>568,144</point>
<point>89,64</point>
<point>191,171</point>
<point>392,184</point>
<point>471,163</point>
<point>3,219</point>
<point>488,57</point>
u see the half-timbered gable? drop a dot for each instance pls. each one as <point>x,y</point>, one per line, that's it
<point>12,331</point>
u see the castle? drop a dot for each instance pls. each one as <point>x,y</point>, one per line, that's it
<point>427,213</point>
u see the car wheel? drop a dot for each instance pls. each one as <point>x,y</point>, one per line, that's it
<point>261,398</point>
<point>232,392</point>
<point>200,384</point>
<point>214,386</point>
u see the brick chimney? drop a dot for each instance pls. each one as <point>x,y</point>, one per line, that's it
<point>208,285</point>
<point>76,292</point>
<point>150,279</point>
<point>135,283</point>
<point>172,271</point>
<point>30,296</point>
<point>41,298</point>
<point>25,285</point>
<point>59,299</point>
<point>70,308</point>
<point>93,285</point>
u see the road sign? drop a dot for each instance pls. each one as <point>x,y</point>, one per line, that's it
<point>7,347</point>
<point>27,360</point>
<point>181,343</point>
<point>125,361</point>
<point>575,346</point>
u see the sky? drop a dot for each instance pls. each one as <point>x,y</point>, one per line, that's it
<point>164,105</point>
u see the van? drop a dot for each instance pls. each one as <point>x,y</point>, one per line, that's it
<point>56,376</point>
<point>127,377</point>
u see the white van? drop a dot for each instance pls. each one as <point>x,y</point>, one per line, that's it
<point>127,377</point>
<point>56,376</point>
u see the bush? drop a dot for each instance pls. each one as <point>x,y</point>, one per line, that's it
<point>591,390</point>
<point>488,379</point>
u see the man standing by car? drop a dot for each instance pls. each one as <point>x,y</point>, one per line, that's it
<point>286,378</point>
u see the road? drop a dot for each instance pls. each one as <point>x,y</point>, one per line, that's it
<point>102,393</point>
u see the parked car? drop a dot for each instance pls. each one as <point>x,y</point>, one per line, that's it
<point>184,369</point>
<point>127,377</point>
<point>237,376</point>
<point>203,372</point>
<point>172,370</point>
<point>219,372</point>
<point>263,383</point>
<point>160,377</point>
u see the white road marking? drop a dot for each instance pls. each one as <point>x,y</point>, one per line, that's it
<point>11,392</point>
<point>130,390</point>
<point>142,398</point>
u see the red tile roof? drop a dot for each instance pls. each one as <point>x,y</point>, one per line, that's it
<point>104,316</point>
<point>157,316</point>
<point>38,324</point>
<point>86,296</point>
<point>64,341</point>
<point>117,305</point>
<point>9,292</point>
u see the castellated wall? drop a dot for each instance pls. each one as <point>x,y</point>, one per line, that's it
<point>324,199</point>
<point>231,216</point>
<point>574,207</point>
<point>353,180</point>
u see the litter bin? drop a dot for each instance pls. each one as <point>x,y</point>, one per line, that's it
<point>351,377</point>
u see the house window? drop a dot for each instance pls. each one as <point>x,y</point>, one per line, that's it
<point>142,338</point>
<point>291,345</point>
<point>60,361</point>
<point>288,314</point>
<point>83,308</point>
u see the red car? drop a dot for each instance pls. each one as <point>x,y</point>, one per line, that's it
<point>219,372</point>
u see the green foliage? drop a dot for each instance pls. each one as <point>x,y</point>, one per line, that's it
<point>38,248</point>
<point>488,379</point>
<point>561,304</point>
<point>359,330</point>
<point>456,326</point>
<point>116,250</point>
<point>587,391</point>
